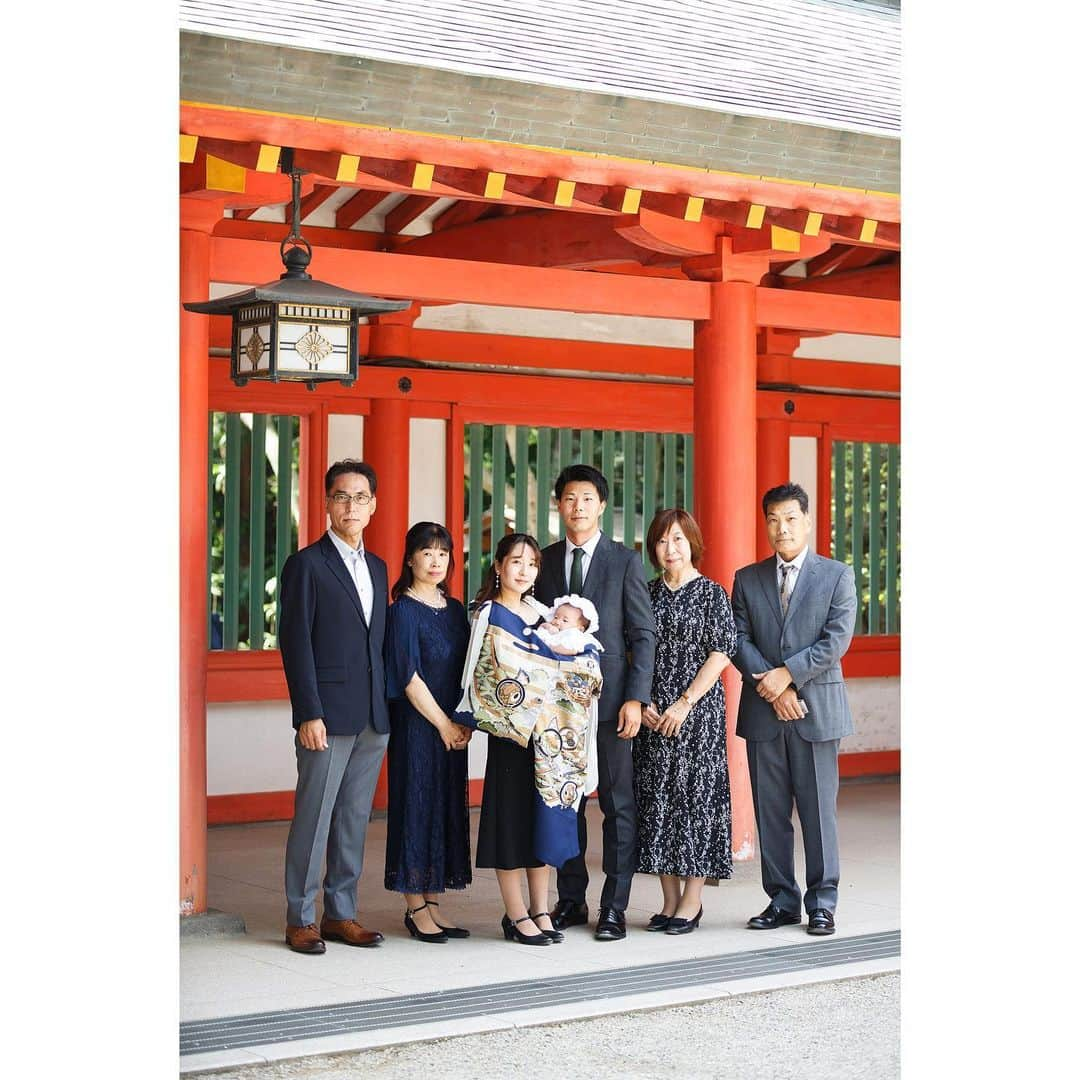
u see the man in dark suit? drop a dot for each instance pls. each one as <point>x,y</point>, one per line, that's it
<point>592,565</point>
<point>795,615</point>
<point>333,620</point>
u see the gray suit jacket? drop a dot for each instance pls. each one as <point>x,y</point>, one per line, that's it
<point>615,583</point>
<point>810,640</point>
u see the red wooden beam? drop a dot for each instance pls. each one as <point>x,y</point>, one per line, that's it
<point>427,279</point>
<point>460,213</point>
<point>880,282</point>
<point>834,314</point>
<point>310,203</point>
<point>319,238</point>
<point>363,202</point>
<point>531,238</point>
<point>407,211</point>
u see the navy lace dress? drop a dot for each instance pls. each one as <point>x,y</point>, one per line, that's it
<point>427,828</point>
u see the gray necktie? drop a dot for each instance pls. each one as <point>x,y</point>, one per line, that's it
<point>575,570</point>
<point>787,583</point>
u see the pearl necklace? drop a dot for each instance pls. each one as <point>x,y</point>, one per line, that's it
<point>410,591</point>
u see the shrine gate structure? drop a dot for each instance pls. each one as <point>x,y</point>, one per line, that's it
<point>682,264</point>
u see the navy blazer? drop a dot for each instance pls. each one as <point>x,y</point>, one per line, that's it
<point>810,640</point>
<point>615,583</point>
<point>333,659</point>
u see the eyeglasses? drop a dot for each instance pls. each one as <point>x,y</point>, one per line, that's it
<point>342,499</point>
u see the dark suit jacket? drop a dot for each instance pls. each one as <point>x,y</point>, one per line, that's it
<point>615,583</point>
<point>333,660</point>
<point>810,640</point>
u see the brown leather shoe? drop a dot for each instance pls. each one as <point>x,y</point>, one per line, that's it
<point>304,939</point>
<point>349,931</point>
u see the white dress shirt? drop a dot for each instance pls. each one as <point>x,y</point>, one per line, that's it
<point>796,565</point>
<point>357,566</point>
<point>588,549</point>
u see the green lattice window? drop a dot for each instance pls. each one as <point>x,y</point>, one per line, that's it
<point>253,526</point>
<point>646,471</point>
<point>866,528</point>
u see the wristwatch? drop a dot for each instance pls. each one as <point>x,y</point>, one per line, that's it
<point>685,696</point>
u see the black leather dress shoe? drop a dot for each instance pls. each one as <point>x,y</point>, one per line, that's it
<point>821,922</point>
<point>610,925</point>
<point>569,913</point>
<point>772,917</point>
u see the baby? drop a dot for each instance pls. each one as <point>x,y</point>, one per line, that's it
<point>570,629</point>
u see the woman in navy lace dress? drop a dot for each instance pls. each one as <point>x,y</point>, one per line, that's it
<point>427,829</point>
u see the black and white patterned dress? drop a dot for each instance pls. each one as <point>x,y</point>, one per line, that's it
<point>681,783</point>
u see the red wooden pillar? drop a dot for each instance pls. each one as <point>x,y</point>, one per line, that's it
<point>197,218</point>
<point>386,449</point>
<point>773,468</point>
<point>725,502</point>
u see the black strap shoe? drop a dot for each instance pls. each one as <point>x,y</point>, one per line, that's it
<point>555,935</point>
<point>684,926</point>
<point>610,925</point>
<point>512,933</point>
<point>821,922</point>
<point>569,913</point>
<point>772,917</point>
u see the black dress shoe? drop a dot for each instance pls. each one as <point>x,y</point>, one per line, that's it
<point>659,923</point>
<point>684,926</point>
<point>821,922</point>
<point>610,925</point>
<point>772,917</point>
<point>569,913</point>
<point>555,935</point>
<point>512,933</point>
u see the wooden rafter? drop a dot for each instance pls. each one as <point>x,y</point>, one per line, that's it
<point>363,202</point>
<point>407,211</point>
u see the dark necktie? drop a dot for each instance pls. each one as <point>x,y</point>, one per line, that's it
<point>575,570</point>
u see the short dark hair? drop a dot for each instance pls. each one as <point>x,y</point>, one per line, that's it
<point>488,589</point>
<point>349,465</point>
<point>663,521</point>
<point>784,493</point>
<point>582,474</point>
<point>424,534</point>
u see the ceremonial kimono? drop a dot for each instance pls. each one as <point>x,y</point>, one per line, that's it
<point>515,688</point>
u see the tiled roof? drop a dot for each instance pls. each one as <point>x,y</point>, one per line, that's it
<point>834,63</point>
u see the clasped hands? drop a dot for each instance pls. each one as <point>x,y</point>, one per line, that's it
<point>454,736</point>
<point>775,686</point>
<point>312,735</point>
<point>670,721</point>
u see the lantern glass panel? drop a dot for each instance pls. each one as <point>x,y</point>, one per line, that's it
<point>312,341</point>
<point>253,351</point>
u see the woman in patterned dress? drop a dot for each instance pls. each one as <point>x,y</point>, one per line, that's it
<point>680,754</point>
<point>427,818</point>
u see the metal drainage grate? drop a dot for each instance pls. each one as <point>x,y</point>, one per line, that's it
<point>226,1033</point>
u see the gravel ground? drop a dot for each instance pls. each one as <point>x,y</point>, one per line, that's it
<point>848,1030</point>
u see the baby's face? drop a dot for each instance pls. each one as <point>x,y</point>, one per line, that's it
<point>567,616</point>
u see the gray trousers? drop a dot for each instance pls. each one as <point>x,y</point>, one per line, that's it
<point>334,789</point>
<point>783,770</point>
<point>615,789</point>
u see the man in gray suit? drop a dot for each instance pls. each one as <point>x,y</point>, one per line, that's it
<point>795,615</point>
<point>333,621</point>
<point>610,575</point>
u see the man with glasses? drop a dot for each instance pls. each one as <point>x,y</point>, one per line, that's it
<point>333,619</point>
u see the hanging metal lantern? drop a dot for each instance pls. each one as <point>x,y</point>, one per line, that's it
<point>296,329</point>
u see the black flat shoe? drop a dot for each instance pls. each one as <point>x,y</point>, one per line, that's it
<point>449,931</point>
<point>512,933</point>
<point>555,935</point>
<point>821,922</point>
<point>684,926</point>
<point>610,925</point>
<point>772,917</point>
<point>569,913</point>
<point>416,932</point>
<point>659,923</point>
